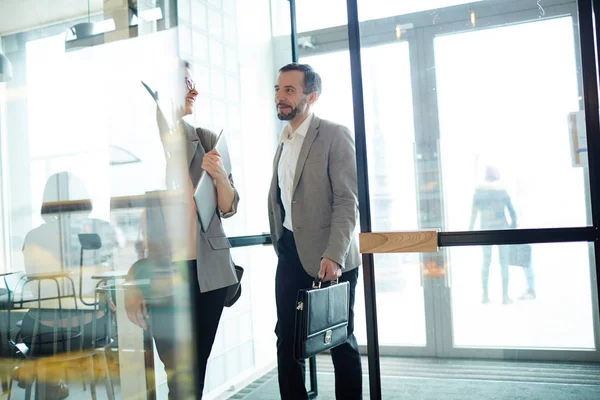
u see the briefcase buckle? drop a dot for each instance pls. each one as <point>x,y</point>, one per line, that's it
<point>328,336</point>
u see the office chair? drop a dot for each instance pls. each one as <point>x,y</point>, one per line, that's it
<point>88,241</point>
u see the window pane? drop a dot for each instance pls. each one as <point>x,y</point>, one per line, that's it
<point>548,301</point>
<point>495,112</point>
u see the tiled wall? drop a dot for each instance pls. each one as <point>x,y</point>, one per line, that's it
<point>208,38</point>
<point>231,47</point>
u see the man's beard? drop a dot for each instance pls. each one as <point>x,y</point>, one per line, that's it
<point>295,111</point>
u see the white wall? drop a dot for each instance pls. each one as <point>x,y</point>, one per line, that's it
<point>260,128</point>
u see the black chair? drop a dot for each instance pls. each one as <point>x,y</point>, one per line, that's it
<point>41,353</point>
<point>92,241</point>
<point>88,241</point>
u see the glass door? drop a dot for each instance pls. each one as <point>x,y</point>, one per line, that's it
<point>504,96</point>
<point>493,87</point>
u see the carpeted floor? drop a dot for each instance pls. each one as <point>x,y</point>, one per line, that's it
<point>434,379</point>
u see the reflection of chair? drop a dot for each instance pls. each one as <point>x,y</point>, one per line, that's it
<point>42,340</point>
<point>22,296</point>
<point>49,369</point>
<point>88,241</point>
<point>41,370</point>
<point>8,349</point>
<point>11,285</point>
<point>108,279</point>
<point>92,241</point>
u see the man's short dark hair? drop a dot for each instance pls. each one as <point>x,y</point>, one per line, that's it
<point>312,80</point>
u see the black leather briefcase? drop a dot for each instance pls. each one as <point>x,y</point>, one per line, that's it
<point>321,318</point>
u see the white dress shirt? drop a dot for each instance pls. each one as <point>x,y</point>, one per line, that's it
<point>292,144</point>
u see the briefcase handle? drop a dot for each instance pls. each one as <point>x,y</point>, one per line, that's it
<point>317,283</point>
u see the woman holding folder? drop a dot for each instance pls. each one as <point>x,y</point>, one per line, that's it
<point>200,255</point>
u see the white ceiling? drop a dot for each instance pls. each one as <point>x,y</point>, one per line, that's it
<point>23,15</point>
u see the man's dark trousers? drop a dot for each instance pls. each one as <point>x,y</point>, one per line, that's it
<point>290,278</point>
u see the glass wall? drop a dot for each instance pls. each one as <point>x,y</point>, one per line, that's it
<point>84,161</point>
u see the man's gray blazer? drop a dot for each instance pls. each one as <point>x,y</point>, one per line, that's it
<point>324,200</point>
<point>214,264</point>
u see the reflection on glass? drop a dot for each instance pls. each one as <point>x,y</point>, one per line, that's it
<point>67,243</point>
<point>66,307</point>
<point>551,290</point>
<point>76,114</point>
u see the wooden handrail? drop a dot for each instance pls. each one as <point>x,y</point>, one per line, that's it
<point>425,241</point>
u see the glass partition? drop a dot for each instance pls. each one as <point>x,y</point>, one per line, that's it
<point>95,196</point>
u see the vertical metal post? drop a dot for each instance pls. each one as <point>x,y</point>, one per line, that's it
<point>586,10</point>
<point>294,30</point>
<point>363,197</point>
<point>590,93</point>
<point>313,393</point>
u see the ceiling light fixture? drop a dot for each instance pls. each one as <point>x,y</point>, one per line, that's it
<point>83,29</point>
